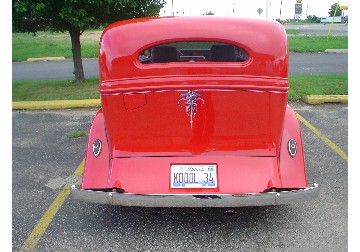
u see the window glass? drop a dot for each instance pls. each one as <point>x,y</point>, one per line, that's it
<point>193,52</point>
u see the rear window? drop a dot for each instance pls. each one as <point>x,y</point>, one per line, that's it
<point>193,52</point>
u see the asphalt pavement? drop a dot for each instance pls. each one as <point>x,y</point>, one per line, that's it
<point>45,219</point>
<point>299,63</point>
<point>329,62</point>
<point>332,62</point>
<point>44,160</point>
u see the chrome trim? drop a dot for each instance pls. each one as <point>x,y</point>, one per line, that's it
<point>292,147</point>
<point>96,147</point>
<point>198,89</point>
<point>186,200</point>
<point>189,102</point>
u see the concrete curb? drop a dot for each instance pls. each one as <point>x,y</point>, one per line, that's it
<point>320,99</point>
<point>45,59</point>
<point>336,50</point>
<point>57,104</point>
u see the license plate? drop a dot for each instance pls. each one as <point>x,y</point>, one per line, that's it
<point>193,176</point>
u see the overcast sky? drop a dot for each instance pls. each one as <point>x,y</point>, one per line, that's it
<point>249,8</point>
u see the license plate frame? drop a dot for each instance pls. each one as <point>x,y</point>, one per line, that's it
<point>193,176</point>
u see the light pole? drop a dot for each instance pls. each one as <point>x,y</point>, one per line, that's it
<point>267,6</point>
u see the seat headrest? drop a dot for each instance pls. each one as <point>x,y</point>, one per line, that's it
<point>162,54</point>
<point>223,53</point>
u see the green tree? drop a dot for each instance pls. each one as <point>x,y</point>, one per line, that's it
<point>313,18</point>
<point>75,16</point>
<point>333,8</point>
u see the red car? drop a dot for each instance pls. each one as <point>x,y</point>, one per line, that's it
<point>194,113</point>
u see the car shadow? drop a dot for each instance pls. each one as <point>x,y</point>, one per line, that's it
<point>225,219</point>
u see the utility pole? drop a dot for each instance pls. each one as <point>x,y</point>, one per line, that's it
<point>267,7</point>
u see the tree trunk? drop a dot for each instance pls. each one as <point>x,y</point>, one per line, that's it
<point>76,52</point>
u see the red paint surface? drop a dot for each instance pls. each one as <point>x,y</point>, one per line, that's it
<point>96,169</point>
<point>235,174</point>
<point>243,124</point>
<point>240,122</point>
<point>265,42</point>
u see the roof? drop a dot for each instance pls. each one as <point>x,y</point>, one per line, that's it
<point>264,40</point>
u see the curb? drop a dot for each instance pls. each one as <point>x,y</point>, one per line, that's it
<point>57,104</point>
<point>45,59</point>
<point>336,50</point>
<point>320,99</point>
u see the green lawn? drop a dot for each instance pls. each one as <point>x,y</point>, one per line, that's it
<point>47,90</point>
<point>317,84</point>
<point>46,44</point>
<point>316,43</point>
<point>44,90</point>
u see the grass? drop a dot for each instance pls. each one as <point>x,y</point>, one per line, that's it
<point>316,43</point>
<point>24,46</point>
<point>292,31</point>
<point>46,44</point>
<point>76,134</point>
<point>317,84</point>
<point>47,90</point>
<point>300,85</point>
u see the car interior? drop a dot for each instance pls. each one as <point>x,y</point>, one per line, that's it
<point>193,52</point>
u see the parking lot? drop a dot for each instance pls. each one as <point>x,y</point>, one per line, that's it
<point>46,219</point>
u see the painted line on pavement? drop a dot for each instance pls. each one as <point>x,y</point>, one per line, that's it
<point>47,218</point>
<point>327,141</point>
<point>49,215</point>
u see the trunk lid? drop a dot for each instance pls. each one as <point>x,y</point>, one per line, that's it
<point>180,122</point>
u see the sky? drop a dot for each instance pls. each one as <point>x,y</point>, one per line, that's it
<point>249,8</point>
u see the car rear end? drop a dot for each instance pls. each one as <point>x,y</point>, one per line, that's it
<point>189,130</point>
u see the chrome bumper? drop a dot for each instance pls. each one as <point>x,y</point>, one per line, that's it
<point>187,200</point>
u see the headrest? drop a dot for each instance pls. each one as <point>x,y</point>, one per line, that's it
<point>162,54</point>
<point>223,53</point>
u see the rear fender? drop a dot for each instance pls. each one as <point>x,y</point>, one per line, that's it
<point>96,168</point>
<point>292,169</point>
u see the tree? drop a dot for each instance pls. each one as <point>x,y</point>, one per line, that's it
<point>75,16</point>
<point>333,8</point>
<point>313,19</point>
